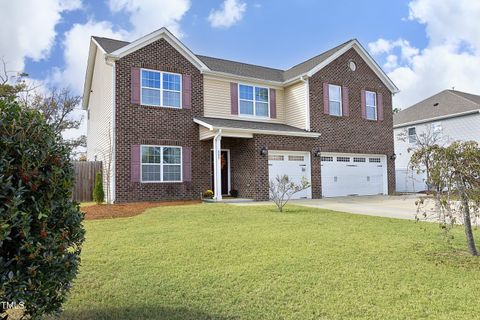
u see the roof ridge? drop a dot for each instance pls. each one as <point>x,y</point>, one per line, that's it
<point>316,56</point>
<point>250,64</point>
<point>465,98</point>
<point>111,39</point>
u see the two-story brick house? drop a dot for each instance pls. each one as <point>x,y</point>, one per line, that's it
<point>169,124</point>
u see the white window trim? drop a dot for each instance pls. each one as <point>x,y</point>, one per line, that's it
<point>160,89</point>
<point>412,135</point>
<point>340,101</point>
<point>244,115</point>
<point>161,165</point>
<point>375,106</point>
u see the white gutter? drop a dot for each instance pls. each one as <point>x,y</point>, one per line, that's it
<point>304,79</point>
<point>455,115</point>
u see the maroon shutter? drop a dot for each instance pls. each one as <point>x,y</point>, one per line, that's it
<point>363,103</point>
<point>187,163</point>
<point>234,97</point>
<point>135,78</point>
<point>273,103</point>
<point>326,106</point>
<point>186,91</point>
<point>380,106</point>
<point>345,109</point>
<point>135,163</point>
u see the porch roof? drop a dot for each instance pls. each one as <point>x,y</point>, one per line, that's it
<point>252,127</point>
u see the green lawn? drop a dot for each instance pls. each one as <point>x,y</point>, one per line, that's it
<point>226,262</point>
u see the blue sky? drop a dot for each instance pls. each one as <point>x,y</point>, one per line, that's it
<point>271,33</point>
<point>424,46</point>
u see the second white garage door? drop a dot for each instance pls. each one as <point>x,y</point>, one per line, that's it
<point>353,174</point>
<point>294,164</point>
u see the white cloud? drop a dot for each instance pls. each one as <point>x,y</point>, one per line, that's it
<point>451,58</point>
<point>149,15</point>
<point>75,44</point>
<point>230,12</point>
<point>28,29</point>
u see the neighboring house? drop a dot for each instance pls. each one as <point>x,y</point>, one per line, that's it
<point>443,118</point>
<point>169,124</point>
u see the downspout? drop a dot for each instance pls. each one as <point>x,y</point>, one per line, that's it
<point>304,79</point>
<point>217,174</point>
<point>112,178</point>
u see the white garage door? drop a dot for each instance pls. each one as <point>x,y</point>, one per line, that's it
<point>353,174</point>
<point>294,164</point>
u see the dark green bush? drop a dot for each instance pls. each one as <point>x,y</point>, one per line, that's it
<point>41,230</point>
<point>98,193</point>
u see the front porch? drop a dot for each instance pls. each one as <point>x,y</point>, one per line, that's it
<point>239,157</point>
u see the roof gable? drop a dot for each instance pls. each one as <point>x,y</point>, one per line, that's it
<point>445,104</point>
<point>162,33</point>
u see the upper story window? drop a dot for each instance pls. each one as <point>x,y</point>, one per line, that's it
<point>160,89</point>
<point>253,101</point>
<point>335,100</point>
<point>161,164</point>
<point>371,105</point>
<point>412,135</point>
<point>436,128</point>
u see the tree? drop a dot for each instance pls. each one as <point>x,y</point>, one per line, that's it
<point>282,189</point>
<point>423,141</point>
<point>11,85</point>
<point>41,230</point>
<point>98,193</point>
<point>455,175</point>
<point>396,110</point>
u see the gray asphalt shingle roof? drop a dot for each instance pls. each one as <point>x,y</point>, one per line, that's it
<point>444,103</point>
<point>250,125</point>
<point>240,68</point>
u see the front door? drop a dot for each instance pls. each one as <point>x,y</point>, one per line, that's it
<point>225,167</point>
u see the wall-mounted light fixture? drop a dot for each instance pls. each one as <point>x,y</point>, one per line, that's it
<point>393,157</point>
<point>264,151</point>
<point>316,152</point>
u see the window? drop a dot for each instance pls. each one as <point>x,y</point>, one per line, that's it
<point>412,135</point>
<point>335,100</point>
<point>325,158</point>
<point>275,157</point>
<point>358,159</point>
<point>253,101</point>
<point>161,164</point>
<point>343,159</point>
<point>371,105</point>
<point>296,158</point>
<point>374,160</point>
<point>160,89</point>
<point>436,129</point>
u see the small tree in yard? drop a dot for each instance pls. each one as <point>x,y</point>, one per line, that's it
<point>41,229</point>
<point>98,194</point>
<point>282,190</point>
<point>455,176</point>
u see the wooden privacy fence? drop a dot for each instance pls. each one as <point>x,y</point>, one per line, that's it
<point>85,172</point>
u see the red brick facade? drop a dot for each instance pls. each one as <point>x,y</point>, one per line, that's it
<point>136,124</point>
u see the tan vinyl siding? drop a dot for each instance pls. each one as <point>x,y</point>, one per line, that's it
<point>295,105</point>
<point>217,100</point>
<point>99,124</point>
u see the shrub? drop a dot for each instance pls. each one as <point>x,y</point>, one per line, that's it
<point>40,226</point>
<point>208,194</point>
<point>98,193</point>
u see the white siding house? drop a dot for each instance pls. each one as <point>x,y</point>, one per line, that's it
<point>445,117</point>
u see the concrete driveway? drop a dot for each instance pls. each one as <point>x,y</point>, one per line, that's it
<point>401,207</point>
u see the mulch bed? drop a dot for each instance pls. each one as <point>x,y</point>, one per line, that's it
<point>109,211</point>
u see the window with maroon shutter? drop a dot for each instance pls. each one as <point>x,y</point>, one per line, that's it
<point>345,102</point>
<point>187,163</point>
<point>273,103</point>
<point>326,106</point>
<point>380,106</point>
<point>135,163</point>
<point>363,106</point>
<point>186,91</point>
<point>135,85</point>
<point>234,98</point>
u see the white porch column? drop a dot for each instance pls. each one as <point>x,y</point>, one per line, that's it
<point>217,166</point>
